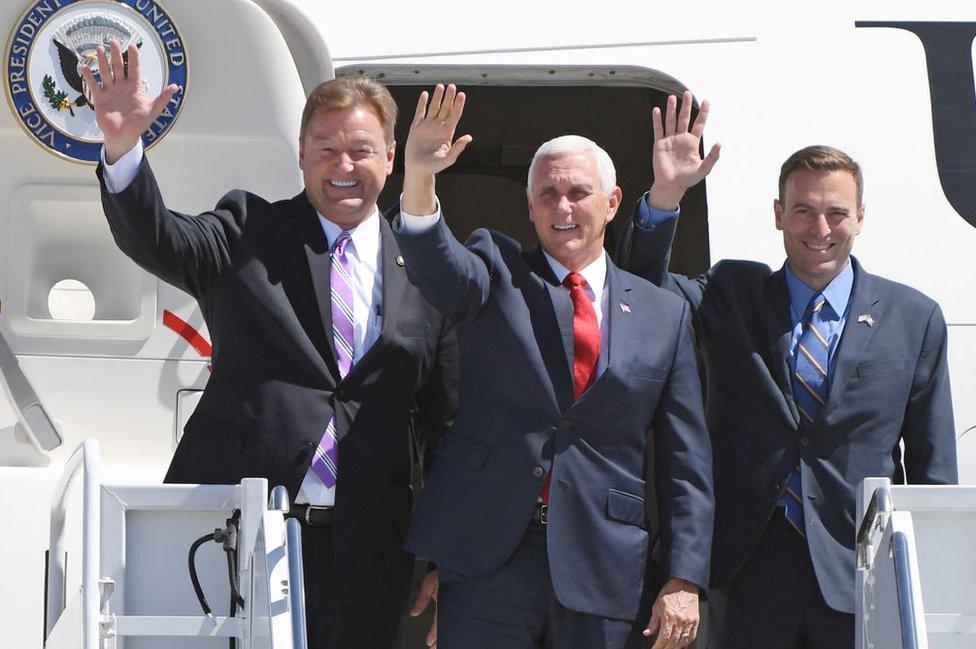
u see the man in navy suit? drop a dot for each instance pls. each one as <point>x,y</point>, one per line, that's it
<point>815,376</point>
<point>576,479</point>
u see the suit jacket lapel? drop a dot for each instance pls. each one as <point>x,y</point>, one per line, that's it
<point>779,332</point>
<point>551,311</point>
<point>621,323</point>
<point>857,333</point>
<point>317,253</point>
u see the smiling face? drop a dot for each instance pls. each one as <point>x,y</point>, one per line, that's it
<point>820,215</point>
<point>345,162</point>
<point>569,208</point>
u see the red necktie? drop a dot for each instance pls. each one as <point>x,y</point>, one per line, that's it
<point>586,334</point>
<point>586,345</point>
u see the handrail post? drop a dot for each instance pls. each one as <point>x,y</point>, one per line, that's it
<point>85,457</point>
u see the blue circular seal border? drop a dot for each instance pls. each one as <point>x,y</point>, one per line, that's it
<point>21,99</point>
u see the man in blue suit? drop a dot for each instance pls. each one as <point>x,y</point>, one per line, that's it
<point>815,376</point>
<point>580,443</point>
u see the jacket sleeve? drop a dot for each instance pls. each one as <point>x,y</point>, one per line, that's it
<point>928,429</point>
<point>683,468</point>
<point>188,251</point>
<point>646,251</point>
<point>455,279</point>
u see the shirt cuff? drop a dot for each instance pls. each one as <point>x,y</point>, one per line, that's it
<point>413,224</point>
<point>118,176</point>
<point>649,218</point>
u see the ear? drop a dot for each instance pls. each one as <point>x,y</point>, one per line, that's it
<point>390,154</point>
<point>528,199</point>
<point>778,211</point>
<point>301,154</point>
<point>860,218</point>
<point>616,195</point>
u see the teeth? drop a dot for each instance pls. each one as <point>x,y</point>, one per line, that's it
<point>343,183</point>
<point>566,226</point>
<point>817,248</point>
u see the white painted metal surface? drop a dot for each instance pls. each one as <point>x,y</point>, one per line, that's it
<point>135,592</point>
<point>779,76</point>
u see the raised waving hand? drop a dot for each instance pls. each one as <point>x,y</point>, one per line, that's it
<point>123,110</point>
<point>431,146</point>
<point>677,162</point>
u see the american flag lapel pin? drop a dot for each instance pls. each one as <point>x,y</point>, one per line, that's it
<point>625,308</point>
<point>866,318</point>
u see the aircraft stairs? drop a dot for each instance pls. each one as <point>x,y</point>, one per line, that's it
<point>916,566</point>
<point>117,567</point>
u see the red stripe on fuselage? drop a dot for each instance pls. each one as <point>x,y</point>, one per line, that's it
<point>187,332</point>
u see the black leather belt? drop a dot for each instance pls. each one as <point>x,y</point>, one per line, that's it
<point>540,514</point>
<point>312,515</point>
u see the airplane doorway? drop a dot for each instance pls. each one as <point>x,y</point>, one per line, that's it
<point>511,110</point>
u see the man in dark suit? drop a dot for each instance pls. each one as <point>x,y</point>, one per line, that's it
<point>816,375</point>
<point>328,365</point>
<point>580,442</point>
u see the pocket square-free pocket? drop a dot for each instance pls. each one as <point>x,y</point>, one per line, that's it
<point>649,372</point>
<point>625,508</point>
<point>886,366</point>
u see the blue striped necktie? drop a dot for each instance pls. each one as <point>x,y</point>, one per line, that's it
<point>325,464</point>
<point>811,386</point>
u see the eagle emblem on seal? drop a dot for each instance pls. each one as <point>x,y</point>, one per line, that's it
<point>51,43</point>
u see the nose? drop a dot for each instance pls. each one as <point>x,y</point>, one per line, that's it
<point>345,163</point>
<point>820,226</point>
<point>564,206</point>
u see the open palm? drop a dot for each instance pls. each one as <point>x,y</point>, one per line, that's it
<point>678,165</point>
<point>431,146</point>
<point>123,110</point>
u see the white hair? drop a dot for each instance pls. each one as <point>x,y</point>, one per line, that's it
<point>576,144</point>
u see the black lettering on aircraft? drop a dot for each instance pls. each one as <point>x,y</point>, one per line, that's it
<point>949,58</point>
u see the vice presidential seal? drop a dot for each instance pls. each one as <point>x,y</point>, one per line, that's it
<point>54,38</point>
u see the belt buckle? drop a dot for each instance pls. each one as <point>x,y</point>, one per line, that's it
<point>308,514</point>
<point>543,514</point>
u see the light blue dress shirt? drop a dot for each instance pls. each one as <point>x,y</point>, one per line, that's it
<point>833,315</point>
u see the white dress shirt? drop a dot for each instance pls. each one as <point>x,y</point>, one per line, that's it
<point>595,275</point>
<point>364,253</point>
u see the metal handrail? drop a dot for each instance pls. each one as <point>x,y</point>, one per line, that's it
<point>903,584</point>
<point>278,500</point>
<point>33,416</point>
<point>877,512</point>
<point>296,582</point>
<point>84,457</point>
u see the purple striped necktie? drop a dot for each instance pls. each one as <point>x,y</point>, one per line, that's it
<point>326,461</point>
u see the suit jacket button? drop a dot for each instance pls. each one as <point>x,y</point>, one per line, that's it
<point>538,472</point>
<point>777,488</point>
<point>565,423</point>
<point>804,441</point>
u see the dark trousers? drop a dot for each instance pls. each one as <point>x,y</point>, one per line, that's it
<point>330,623</point>
<point>515,608</point>
<point>774,601</point>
